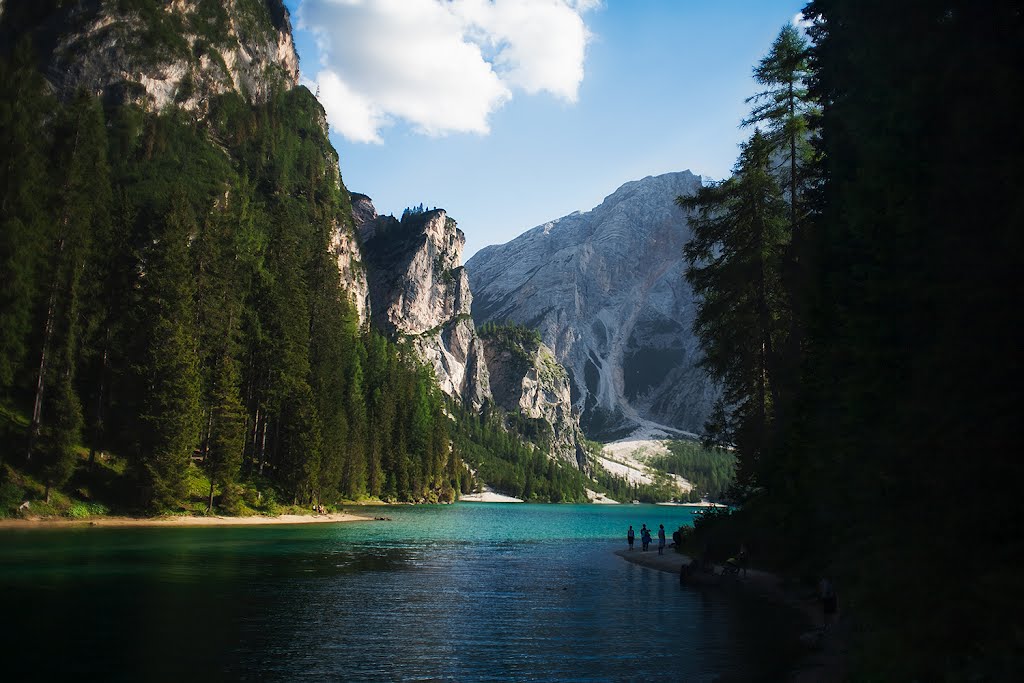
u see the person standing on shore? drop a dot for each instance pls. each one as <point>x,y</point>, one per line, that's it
<point>629,536</point>
<point>741,559</point>
<point>661,539</point>
<point>645,537</point>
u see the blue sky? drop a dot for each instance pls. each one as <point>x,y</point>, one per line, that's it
<point>512,113</point>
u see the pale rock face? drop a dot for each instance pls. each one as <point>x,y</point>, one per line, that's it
<point>541,393</point>
<point>347,255</point>
<point>606,289</point>
<point>105,52</point>
<point>419,290</point>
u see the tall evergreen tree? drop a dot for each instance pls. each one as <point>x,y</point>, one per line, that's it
<point>170,415</point>
<point>782,110</point>
<point>739,234</point>
<point>226,432</point>
<point>355,477</point>
<point>24,215</point>
<point>82,205</point>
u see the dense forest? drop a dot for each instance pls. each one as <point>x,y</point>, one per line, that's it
<point>860,289</point>
<point>169,296</point>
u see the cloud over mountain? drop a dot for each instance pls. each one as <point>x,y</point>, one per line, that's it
<point>443,66</point>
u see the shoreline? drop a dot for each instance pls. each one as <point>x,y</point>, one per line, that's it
<point>822,664</point>
<point>180,521</point>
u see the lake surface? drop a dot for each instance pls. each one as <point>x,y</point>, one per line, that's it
<point>466,592</point>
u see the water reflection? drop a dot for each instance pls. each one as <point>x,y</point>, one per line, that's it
<point>456,594</point>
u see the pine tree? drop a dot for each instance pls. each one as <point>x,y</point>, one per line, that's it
<point>57,446</point>
<point>24,215</point>
<point>739,234</point>
<point>355,462</point>
<point>82,203</point>
<point>226,438</point>
<point>783,108</point>
<point>170,415</point>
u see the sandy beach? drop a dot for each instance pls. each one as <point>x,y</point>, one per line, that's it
<point>487,495</point>
<point>255,520</point>
<point>822,664</point>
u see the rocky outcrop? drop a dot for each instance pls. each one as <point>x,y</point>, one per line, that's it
<point>527,380</point>
<point>606,290</point>
<point>158,54</point>
<point>419,292</point>
<point>344,247</point>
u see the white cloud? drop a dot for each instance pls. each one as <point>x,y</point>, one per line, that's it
<point>801,22</point>
<point>441,65</point>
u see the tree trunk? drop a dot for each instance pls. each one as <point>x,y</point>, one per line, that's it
<point>37,405</point>
<point>209,507</point>
<point>97,425</point>
<point>792,159</point>
<point>263,446</point>
<point>51,304</point>
<point>209,432</point>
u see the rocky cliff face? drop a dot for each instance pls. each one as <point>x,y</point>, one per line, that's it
<point>157,53</point>
<point>348,255</point>
<point>418,290</point>
<point>527,380</point>
<point>606,290</point>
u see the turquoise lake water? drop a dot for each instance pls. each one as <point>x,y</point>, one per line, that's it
<point>465,592</point>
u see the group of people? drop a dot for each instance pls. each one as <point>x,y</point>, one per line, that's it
<point>645,537</point>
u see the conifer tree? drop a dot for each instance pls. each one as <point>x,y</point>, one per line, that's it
<point>782,109</point>
<point>81,201</point>
<point>739,234</point>
<point>60,434</point>
<point>226,438</point>
<point>170,414</point>
<point>355,464</point>
<point>24,217</point>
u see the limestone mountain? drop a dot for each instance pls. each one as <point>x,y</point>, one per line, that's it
<point>606,290</point>
<point>418,290</point>
<point>527,381</point>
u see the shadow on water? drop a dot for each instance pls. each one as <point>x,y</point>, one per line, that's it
<point>512,593</point>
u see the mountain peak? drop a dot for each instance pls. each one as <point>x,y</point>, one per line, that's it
<point>607,292</point>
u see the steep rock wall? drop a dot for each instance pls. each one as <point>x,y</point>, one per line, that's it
<point>418,290</point>
<point>606,289</point>
<point>531,382</point>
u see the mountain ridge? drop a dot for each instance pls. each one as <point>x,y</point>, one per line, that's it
<point>606,290</point>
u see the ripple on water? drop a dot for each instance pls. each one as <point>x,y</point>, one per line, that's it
<point>464,592</point>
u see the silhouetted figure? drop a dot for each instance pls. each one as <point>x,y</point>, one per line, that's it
<point>645,537</point>
<point>661,539</point>
<point>741,559</point>
<point>629,537</point>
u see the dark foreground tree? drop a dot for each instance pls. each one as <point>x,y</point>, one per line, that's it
<point>734,260</point>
